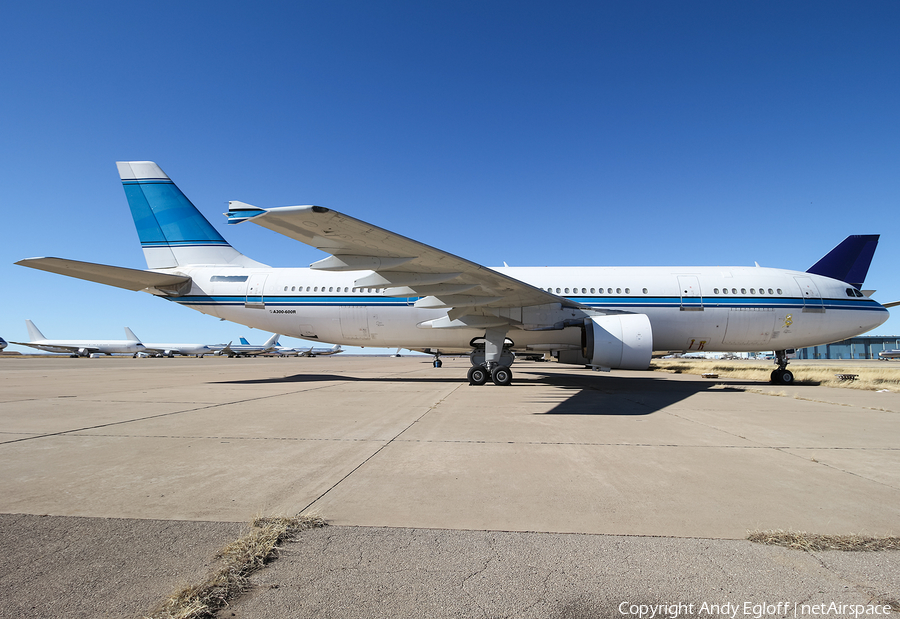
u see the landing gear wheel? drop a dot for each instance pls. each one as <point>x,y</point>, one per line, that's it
<point>438,363</point>
<point>477,375</point>
<point>501,376</point>
<point>782,377</point>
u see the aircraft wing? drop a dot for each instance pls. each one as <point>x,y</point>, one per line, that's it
<point>405,267</point>
<point>120,277</point>
<point>58,348</point>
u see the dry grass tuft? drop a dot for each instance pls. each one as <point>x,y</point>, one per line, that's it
<point>871,379</point>
<point>813,542</point>
<point>240,559</point>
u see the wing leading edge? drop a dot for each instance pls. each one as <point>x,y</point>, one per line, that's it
<point>474,295</point>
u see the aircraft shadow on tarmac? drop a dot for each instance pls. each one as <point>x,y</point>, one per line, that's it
<point>589,394</point>
<point>617,395</point>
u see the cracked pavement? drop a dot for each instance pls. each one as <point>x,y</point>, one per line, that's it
<point>560,496</point>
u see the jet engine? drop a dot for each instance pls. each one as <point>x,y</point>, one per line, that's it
<point>621,341</point>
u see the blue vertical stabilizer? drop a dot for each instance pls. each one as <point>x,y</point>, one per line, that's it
<point>172,231</point>
<point>849,261</point>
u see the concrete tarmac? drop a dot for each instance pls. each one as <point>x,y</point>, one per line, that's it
<point>393,452</point>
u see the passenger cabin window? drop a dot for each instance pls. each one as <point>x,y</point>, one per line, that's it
<point>645,291</point>
<point>778,291</point>
<point>715,290</point>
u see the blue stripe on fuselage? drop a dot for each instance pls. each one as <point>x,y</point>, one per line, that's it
<point>631,304</point>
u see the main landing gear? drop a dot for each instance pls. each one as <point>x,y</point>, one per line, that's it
<point>781,375</point>
<point>491,358</point>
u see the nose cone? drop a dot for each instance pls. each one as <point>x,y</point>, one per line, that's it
<point>874,318</point>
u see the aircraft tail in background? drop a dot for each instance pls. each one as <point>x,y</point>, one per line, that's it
<point>172,231</point>
<point>849,261</point>
<point>34,334</point>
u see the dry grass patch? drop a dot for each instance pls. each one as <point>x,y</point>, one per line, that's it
<point>240,559</point>
<point>871,379</point>
<point>814,542</point>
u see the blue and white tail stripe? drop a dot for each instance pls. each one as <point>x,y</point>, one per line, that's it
<point>172,231</point>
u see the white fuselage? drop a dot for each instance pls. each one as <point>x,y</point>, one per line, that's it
<point>689,308</point>
<point>84,347</point>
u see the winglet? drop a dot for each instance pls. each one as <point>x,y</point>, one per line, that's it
<point>849,261</point>
<point>239,212</point>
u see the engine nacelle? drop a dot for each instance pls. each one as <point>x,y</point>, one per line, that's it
<point>621,341</point>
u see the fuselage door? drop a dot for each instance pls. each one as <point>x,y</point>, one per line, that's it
<point>812,300</point>
<point>255,286</point>
<point>689,288</point>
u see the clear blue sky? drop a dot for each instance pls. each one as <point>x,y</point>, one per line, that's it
<point>536,133</point>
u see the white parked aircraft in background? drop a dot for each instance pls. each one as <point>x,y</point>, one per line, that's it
<point>82,348</point>
<point>247,350</point>
<point>378,288</point>
<point>889,354</point>
<point>170,350</point>
<point>299,351</point>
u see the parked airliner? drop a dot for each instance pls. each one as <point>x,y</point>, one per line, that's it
<point>378,288</point>
<point>82,348</point>
<point>3,343</point>
<point>245,349</point>
<point>157,349</point>
<point>312,351</point>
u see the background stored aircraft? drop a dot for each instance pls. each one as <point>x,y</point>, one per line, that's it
<point>246,349</point>
<point>170,350</point>
<point>378,288</point>
<point>82,348</point>
<point>312,351</point>
<point>3,343</point>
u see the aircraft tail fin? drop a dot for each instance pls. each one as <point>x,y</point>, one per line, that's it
<point>34,334</point>
<point>172,231</point>
<point>129,335</point>
<point>849,261</point>
<point>244,341</point>
<point>272,341</point>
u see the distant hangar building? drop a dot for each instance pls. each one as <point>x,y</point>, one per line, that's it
<point>862,347</point>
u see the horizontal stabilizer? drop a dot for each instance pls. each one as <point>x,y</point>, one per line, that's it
<point>120,277</point>
<point>849,261</point>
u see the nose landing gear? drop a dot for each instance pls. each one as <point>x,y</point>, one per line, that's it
<point>781,375</point>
